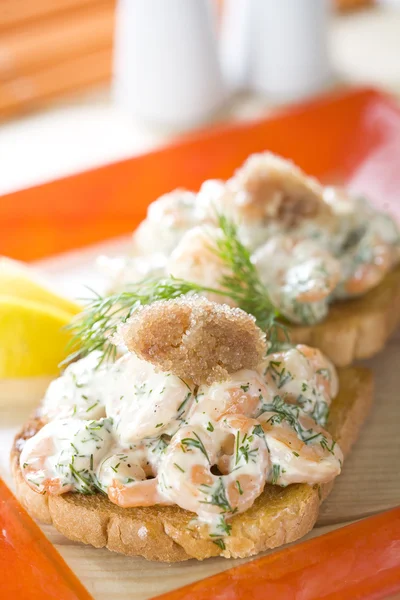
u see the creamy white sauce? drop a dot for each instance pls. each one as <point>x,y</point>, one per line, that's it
<point>145,403</point>
<point>125,467</point>
<point>65,454</point>
<point>167,219</point>
<point>243,392</point>
<point>318,460</point>
<point>320,255</point>
<point>127,269</point>
<point>80,392</point>
<point>209,449</point>
<point>309,383</point>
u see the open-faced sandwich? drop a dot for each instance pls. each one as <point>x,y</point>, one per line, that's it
<point>199,438</point>
<point>328,261</point>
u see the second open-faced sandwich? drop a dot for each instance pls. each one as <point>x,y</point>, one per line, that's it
<point>328,260</point>
<point>200,439</point>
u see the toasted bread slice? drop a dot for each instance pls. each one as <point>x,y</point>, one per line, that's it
<point>358,328</point>
<point>279,515</point>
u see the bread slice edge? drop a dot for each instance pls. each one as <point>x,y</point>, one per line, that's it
<point>279,515</point>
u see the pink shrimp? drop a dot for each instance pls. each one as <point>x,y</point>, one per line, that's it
<point>325,372</point>
<point>187,478</point>
<point>37,473</point>
<point>368,275</point>
<point>139,493</point>
<point>302,375</point>
<point>306,455</point>
<point>242,392</point>
<point>194,259</point>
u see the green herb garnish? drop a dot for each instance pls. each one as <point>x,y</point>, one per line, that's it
<point>276,471</point>
<point>220,543</point>
<point>184,402</point>
<point>239,487</point>
<point>94,327</point>
<point>194,443</point>
<point>179,467</point>
<point>218,497</point>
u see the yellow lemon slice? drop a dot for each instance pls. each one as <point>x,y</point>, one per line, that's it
<point>18,280</point>
<point>33,340</point>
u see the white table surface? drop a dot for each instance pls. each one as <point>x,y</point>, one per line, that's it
<point>90,130</point>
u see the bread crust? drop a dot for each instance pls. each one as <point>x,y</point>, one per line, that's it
<point>358,328</point>
<point>279,515</point>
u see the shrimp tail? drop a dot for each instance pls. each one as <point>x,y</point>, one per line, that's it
<point>139,493</point>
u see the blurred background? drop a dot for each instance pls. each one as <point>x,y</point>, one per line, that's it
<point>86,82</point>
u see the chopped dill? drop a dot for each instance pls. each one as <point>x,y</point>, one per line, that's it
<point>276,471</point>
<point>326,374</point>
<point>179,467</point>
<point>220,543</point>
<point>218,497</point>
<point>239,487</point>
<point>243,449</point>
<point>195,443</point>
<point>185,401</point>
<point>224,526</point>
<point>86,484</point>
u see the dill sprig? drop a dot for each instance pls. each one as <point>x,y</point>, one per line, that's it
<point>94,327</point>
<point>243,282</point>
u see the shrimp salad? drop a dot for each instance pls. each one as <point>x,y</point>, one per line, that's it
<point>145,436</point>
<point>311,245</point>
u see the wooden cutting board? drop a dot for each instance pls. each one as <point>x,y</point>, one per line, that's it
<point>370,481</point>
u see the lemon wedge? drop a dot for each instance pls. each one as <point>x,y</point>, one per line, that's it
<point>33,340</point>
<point>19,281</point>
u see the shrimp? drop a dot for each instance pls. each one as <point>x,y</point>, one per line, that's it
<point>124,467</point>
<point>167,220</point>
<point>368,275</point>
<point>124,270</point>
<point>302,376</point>
<point>300,450</point>
<point>36,472</point>
<point>79,393</point>
<point>186,477</point>
<point>64,455</point>
<point>300,275</point>
<point>194,259</point>
<point>326,375</point>
<point>242,392</point>
<point>270,188</point>
<point>297,268</point>
<point>143,402</point>
<point>364,264</point>
<point>124,477</point>
<point>137,493</point>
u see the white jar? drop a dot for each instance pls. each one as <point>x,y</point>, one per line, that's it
<point>166,68</point>
<point>289,47</point>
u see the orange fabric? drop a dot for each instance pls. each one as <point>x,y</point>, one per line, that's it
<point>360,561</point>
<point>347,136</point>
<point>30,566</point>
